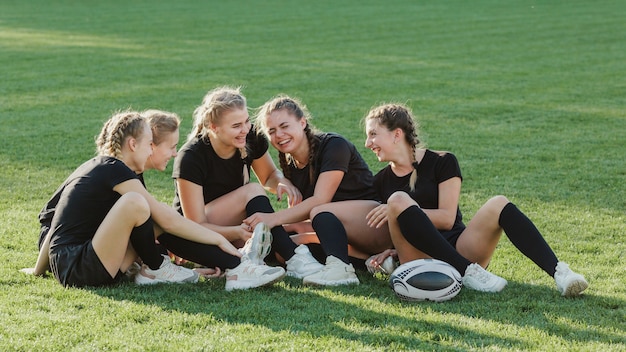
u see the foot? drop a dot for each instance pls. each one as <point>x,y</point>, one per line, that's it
<point>302,263</point>
<point>480,279</point>
<point>259,245</point>
<point>250,275</point>
<point>569,283</point>
<point>335,273</point>
<point>168,272</point>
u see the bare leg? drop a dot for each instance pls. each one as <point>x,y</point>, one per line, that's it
<point>406,251</point>
<point>111,241</point>
<point>361,237</point>
<point>230,209</point>
<point>479,240</point>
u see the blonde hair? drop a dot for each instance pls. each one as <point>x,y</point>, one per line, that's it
<point>294,107</point>
<point>162,123</point>
<point>392,116</point>
<point>214,104</point>
<point>116,130</point>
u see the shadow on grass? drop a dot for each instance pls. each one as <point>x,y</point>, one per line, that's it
<point>369,312</point>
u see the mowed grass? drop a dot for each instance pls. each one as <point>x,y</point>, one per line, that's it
<point>530,96</point>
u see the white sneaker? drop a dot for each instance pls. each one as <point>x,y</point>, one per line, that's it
<point>259,245</point>
<point>480,279</point>
<point>335,273</point>
<point>167,272</point>
<point>387,267</point>
<point>249,275</point>
<point>302,263</point>
<point>569,283</point>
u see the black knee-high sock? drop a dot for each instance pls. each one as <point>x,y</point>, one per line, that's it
<point>332,235</point>
<point>281,242</point>
<point>525,236</point>
<point>204,254</point>
<point>419,231</point>
<point>142,239</point>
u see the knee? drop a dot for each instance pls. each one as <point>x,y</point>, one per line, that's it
<point>398,202</point>
<point>497,203</point>
<point>253,190</point>
<point>135,203</point>
<point>317,210</point>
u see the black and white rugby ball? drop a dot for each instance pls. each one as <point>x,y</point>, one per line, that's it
<point>426,280</point>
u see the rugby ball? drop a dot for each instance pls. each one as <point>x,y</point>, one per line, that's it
<point>426,280</point>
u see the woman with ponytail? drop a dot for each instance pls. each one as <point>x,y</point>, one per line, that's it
<point>421,189</point>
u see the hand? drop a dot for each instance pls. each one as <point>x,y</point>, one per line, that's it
<point>28,271</point>
<point>228,247</point>
<point>377,217</point>
<point>257,218</point>
<point>209,273</point>
<point>376,260</point>
<point>293,193</point>
<point>244,231</point>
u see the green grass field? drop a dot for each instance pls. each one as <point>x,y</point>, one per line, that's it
<point>529,95</point>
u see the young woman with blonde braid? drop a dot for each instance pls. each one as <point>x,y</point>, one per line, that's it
<point>336,186</point>
<point>213,188</point>
<point>421,189</point>
<point>102,218</point>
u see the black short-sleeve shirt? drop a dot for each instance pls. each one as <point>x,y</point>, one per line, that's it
<point>431,171</point>
<point>197,162</point>
<point>336,153</point>
<point>81,203</point>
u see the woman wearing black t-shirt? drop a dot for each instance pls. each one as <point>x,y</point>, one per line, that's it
<point>213,188</point>
<point>336,186</point>
<point>422,188</point>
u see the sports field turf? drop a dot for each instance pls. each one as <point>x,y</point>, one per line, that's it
<point>530,96</point>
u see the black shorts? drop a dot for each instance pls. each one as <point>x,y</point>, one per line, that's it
<point>79,265</point>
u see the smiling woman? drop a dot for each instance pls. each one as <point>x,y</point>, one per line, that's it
<point>212,173</point>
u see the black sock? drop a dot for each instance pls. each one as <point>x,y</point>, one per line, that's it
<point>142,239</point>
<point>525,236</point>
<point>204,254</point>
<point>332,235</point>
<point>358,263</point>
<point>281,241</point>
<point>419,231</point>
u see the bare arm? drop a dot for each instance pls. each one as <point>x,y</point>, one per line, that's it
<point>273,180</point>
<point>449,192</point>
<point>172,222</point>
<point>325,188</point>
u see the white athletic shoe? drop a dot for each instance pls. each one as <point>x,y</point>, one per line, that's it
<point>387,267</point>
<point>259,245</point>
<point>249,275</point>
<point>167,272</point>
<point>335,273</point>
<point>569,283</point>
<point>302,263</point>
<point>480,279</point>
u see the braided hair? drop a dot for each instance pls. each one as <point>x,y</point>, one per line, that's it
<point>117,130</point>
<point>393,116</point>
<point>294,107</point>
